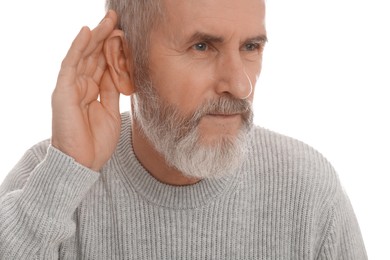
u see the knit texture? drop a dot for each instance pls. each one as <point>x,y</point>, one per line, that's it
<point>285,202</point>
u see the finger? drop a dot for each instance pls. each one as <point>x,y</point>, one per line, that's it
<point>77,48</point>
<point>101,32</point>
<point>90,57</point>
<point>109,95</point>
<point>100,68</point>
<point>82,40</point>
<point>111,14</point>
<point>90,64</point>
<point>93,67</point>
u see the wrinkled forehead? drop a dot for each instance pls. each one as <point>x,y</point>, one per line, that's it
<point>234,14</point>
<point>229,10</point>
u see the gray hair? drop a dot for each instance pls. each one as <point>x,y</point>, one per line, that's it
<point>137,18</point>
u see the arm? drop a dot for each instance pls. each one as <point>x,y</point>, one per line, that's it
<point>39,196</point>
<point>37,202</point>
<point>343,239</point>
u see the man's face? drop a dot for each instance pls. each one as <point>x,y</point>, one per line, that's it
<point>195,107</point>
<point>205,49</point>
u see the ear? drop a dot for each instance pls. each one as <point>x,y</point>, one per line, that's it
<point>119,62</point>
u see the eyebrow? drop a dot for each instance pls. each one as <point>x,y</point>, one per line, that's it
<point>260,38</point>
<point>205,37</point>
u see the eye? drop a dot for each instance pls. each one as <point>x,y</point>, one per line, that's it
<point>251,46</point>
<point>201,46</point>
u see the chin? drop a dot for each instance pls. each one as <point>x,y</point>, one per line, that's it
<point>217,133</point>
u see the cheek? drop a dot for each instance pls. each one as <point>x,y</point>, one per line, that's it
<point>253,70</point>
<point>183,84</point>
<point>254,67</point>
<point>194,87</point>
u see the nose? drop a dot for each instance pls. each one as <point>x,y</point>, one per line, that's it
<point>233,78</point>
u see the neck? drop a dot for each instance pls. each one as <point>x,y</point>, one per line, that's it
<point>154,162</point>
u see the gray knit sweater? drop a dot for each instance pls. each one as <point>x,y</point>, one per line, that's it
<point>285,202</point>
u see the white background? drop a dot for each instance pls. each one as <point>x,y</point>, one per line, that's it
<point>325,81</point>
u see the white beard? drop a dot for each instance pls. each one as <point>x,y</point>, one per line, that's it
<point>178,140</point>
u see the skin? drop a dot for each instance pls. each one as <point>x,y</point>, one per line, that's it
<point>188,70</point>
<point>83,127</point>
<point>202,50</point>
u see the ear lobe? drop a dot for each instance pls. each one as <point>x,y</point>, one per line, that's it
<point>119,62</point>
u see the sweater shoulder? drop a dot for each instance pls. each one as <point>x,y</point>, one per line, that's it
<point>287,157</point>
<point>280,148</point>
<point>271,141</point>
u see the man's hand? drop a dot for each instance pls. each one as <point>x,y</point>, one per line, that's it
<point>86,118</point>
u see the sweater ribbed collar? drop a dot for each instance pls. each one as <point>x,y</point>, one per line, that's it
<point>156,192</point>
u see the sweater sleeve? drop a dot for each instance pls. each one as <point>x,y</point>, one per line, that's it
<point>343,239</point>
<point>37,201</point>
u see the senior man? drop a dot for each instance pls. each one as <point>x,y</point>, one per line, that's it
<point>185,174</point>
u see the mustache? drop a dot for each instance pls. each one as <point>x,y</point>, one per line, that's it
<point>224,105</point>
<point>168,118</point>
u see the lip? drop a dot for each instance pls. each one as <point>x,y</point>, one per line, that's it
<point>224,116</point>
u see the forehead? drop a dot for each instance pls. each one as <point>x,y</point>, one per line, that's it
<point>216,16</point>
